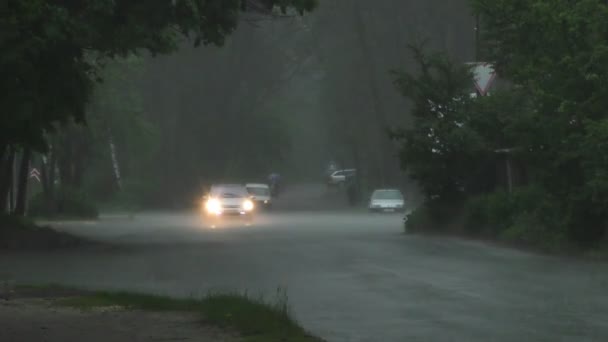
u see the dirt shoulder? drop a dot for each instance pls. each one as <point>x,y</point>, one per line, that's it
<point>28,319</point>
<point>58,314</point>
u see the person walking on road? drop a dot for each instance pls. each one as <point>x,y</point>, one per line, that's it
<point>274,180</point>
<point>351,190</point>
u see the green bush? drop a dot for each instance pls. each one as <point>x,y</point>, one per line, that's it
<point>527,216</point>
<point>66,203</point>
<point>529,230</point>
<point>135,195</point>
<point>488,213</point>
<point>434,216</point>
<point>493,213</point>
<point>21,233</point>
<point>419,220</point>
<point>16,222</point>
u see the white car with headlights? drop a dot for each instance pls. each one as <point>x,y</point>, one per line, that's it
<point>228,199</point>
<point>387,200</point>
<point>260,193</point>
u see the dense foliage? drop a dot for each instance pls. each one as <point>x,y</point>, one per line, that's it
<point>160,130</point>
<point>53,52</point>
<point>68,203</point>
<point>552,117</point>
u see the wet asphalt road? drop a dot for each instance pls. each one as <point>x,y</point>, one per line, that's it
<point>350,276</point>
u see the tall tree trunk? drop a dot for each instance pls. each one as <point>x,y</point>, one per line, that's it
<point>48,172</point>
<point>24,168</point>
<point>78,168</point>
<point>44,176</point>
<point>52,173</point>
<point>71,148</point>
<point>79,155</point>
<point>115,164</point>
<point>64,166</point>
<point>64,148</point>
<point>6,178</point>
<point>377,105</point>
<point>3,154</point>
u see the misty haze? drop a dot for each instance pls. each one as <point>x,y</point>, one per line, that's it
<point>303,170</point>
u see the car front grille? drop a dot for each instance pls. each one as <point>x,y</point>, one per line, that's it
<point>231,206</point>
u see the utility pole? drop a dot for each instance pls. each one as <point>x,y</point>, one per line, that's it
<point>477,37</point>
<point>13,180</point>
<point>477,43</point>
<point>506,152</point>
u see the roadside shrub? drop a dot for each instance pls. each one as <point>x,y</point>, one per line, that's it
<point>418,220</point>
<point>434,216</point>
<point>587,222</point>
<point>131,197</point>
<point>15,222</point>
<point>67,203</point>
<point>491,214</point>
<point>487,213</point>
<point>19,233</point>
<point>38,206</point>
<point>528,216</point>
<point>529,229</point>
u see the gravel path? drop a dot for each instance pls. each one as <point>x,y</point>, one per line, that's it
<point>25,320</point>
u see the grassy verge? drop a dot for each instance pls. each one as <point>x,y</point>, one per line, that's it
<point>60,218</point>
<point>600,253</point>
<point>255,320</point>
<point>523,236</point>
<point>18,233</point>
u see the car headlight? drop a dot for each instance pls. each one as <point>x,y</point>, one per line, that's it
<point>213,206</point>
<point>248,205</point>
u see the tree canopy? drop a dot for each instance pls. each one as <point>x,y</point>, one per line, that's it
<point>557,51</point>
<point>53,52</point>
<point>551,118</point>
<point>52,49</point>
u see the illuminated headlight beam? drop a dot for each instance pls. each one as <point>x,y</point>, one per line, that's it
<point>248,205</point>
<point>213,206</point>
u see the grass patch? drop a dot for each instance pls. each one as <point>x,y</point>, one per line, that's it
<point>255,320</point>
<point>18,233</point>
<point>67,202</point>
<point>51,291</point>
<point>42,220</point>
<point>599,253</point>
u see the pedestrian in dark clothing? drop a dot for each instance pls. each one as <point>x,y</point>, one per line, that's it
<point>351,190</point>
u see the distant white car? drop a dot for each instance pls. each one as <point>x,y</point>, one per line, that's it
<point>387,200</point>
<point>260,193</point>
<point>339,177</point>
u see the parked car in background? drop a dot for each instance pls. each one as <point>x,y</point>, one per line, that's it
<point>339,177</point>
<point>387,200</point>
<point>260,193</point>
<point>331,168</point>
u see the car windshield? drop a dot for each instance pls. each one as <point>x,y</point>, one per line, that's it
<point>258,191</point>
<point>387,195</point>
<point>230,192</point>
